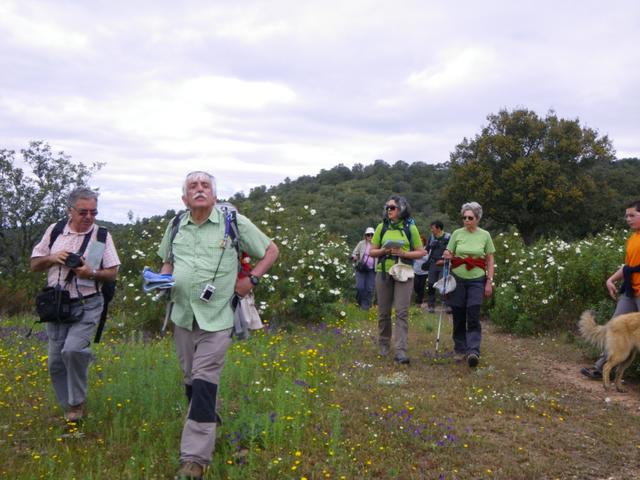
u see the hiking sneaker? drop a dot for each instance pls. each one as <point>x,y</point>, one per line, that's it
<point>190,471</point>
<point>431,309</point>
<point>384,350</point>
<point>76,413</point>
<point>402,358</point>
<point>591,372</point>
<point>473,359</point>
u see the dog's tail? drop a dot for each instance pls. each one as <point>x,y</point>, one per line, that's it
<point>590,330</point>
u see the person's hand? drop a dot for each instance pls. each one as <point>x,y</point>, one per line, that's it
<point>83,271</point>
<point>243,286</point>
<point>398,252</point>
<point>59,257</point>
<point>613,290</point>
<point>440,262</point>
<point>488,288</point>
<point>447,255</point>
<point>353,258</point>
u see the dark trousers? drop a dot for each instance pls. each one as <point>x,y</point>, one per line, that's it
<point>466,302</point>
<point>419,282</point>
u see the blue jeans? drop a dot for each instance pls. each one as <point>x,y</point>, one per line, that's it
<point>365,282</point>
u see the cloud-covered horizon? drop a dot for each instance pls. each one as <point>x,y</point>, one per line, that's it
<point>255,92</point>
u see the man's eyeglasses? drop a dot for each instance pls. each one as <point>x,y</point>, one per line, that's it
<point>466,217</point>
<point>390,207</point>
<point>85,212</point>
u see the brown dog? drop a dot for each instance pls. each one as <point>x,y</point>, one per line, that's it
<point>620,338</point>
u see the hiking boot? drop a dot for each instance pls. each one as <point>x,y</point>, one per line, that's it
<point>402,358</point>
<point>458,357</point>
<point>76,413</point>
<point>448,310</point>
<point>384,350</point>
<point>431,309</point>
<point>473,359</point>
<point>190,471</point>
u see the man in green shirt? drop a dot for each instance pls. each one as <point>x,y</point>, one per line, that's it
<point>204,265</point>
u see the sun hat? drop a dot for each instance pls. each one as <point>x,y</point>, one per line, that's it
<point>401,272</point>
<point>369,230</point>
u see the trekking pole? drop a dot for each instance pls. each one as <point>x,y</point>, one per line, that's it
<point>445,274</point>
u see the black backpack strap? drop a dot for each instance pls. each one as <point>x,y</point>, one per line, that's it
<point>57,230</point>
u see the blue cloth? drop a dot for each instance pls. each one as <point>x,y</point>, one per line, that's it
<point>152,280</point>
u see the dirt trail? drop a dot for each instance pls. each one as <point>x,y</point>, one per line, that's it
<point>564,372</point>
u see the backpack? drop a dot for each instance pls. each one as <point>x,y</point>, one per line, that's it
<point>406,228</point>
<point>108,289</point>
<point>230,229</point>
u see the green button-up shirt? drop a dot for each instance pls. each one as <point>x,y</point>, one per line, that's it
<point>198,251</point>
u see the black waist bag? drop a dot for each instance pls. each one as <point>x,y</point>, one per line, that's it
<point>53,304</point>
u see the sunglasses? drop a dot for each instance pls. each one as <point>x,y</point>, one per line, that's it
<point>465,217</point>
<point>84,212</point>
<point>368,234</point>
<point>390,207</point>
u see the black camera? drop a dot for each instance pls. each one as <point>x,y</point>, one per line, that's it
<point>73,260</point>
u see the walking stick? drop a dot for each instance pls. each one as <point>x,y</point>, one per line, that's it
<point>445,273</point>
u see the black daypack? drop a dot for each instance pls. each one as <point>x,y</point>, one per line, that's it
<point>108,289</point>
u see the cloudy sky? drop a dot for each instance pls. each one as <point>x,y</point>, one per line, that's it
<point>256,91</point>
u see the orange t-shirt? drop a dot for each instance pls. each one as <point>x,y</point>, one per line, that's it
<point>632,258</point>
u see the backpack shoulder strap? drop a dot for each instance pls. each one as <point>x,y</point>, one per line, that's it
<point>102,234</point>
<point>407,232</point>
<point>175,226</point>
<point>57,230</point>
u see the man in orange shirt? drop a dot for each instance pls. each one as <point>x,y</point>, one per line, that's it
<point>629,273</point>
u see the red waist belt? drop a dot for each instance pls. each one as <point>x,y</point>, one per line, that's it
<point>469,262</point>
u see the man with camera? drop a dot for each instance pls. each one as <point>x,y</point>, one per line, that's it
<point>77,263</point>
<point>204,263</point>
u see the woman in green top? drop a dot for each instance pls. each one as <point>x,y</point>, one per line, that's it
<point>396,239</point>
<point>470,250</point>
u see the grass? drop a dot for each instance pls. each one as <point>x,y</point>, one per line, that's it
<point>319,403</point>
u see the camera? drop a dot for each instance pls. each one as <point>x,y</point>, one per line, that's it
<point>207,293</point>
<point>73,260</point>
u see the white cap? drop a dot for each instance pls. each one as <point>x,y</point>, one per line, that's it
<point>369,230</point>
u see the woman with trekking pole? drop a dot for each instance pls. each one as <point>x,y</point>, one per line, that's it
<point>470,251</point>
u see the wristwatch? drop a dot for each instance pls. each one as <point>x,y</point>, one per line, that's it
<point>93,274</point>
<point>254,280</point>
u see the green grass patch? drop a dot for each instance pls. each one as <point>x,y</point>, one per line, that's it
<point>318,402</point>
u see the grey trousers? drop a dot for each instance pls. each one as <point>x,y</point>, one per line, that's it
<point>201,356</point>
<point>625,305</point>
<point>70,353</point>
<point>393,294</point>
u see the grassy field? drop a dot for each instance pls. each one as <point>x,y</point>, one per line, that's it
<point>319,403</point>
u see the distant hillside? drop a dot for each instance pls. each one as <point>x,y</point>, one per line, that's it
<point>349,200</point>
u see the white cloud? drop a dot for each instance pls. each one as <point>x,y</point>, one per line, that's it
<point>470,66</point>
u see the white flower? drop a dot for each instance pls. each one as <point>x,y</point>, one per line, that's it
<point>342,313</point>
<point>310,252</point>
<point>545,301</point>
<point>322,225</point>
<point>312,211</point>
<point>301,295</point>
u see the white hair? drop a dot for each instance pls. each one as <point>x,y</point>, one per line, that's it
<point>196,175</point>
<point>475,207</point>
